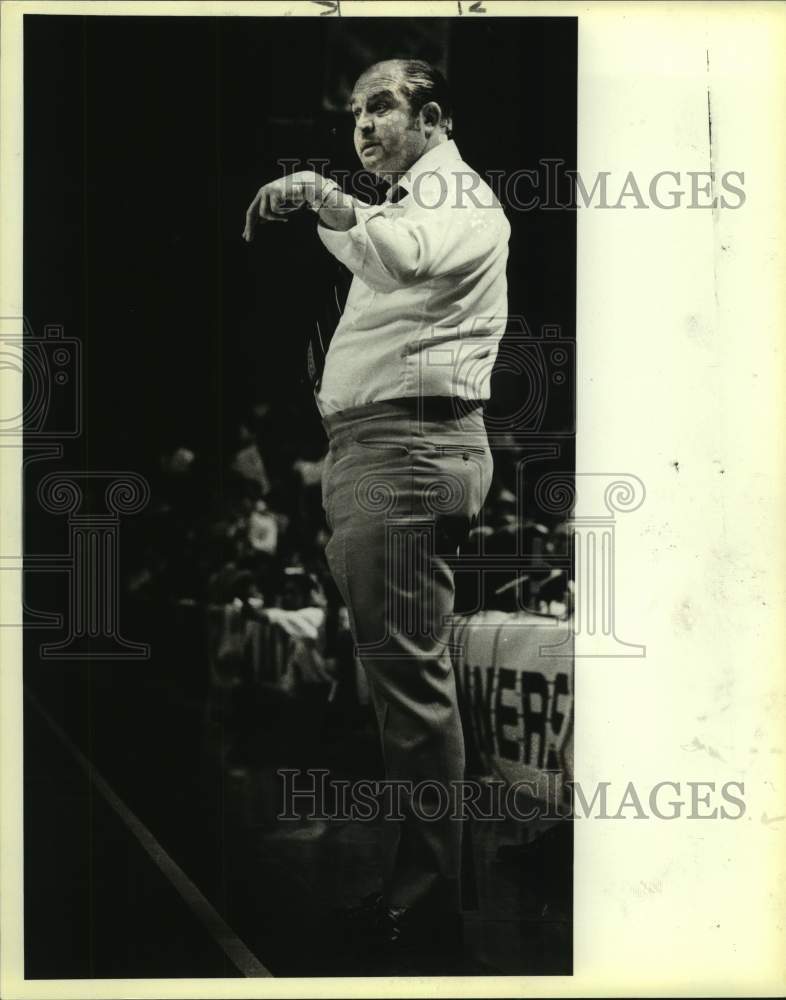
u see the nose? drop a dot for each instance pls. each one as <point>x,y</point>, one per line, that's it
<point>365,125</point>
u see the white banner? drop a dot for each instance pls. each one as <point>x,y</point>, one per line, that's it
<point>515,677</point>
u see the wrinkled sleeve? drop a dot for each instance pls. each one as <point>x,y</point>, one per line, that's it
<point>435,231</point>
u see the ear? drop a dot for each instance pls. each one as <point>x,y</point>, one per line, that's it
<point>431,115</point>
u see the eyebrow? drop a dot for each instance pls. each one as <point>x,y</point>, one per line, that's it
<point>376,95</point>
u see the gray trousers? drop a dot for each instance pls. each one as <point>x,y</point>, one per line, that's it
<point>404,480</point>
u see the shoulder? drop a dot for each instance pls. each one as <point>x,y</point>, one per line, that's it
<point>474,200</point>
<point>455,186</point>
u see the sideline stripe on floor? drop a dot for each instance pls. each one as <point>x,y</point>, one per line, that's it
<point>237,952</point>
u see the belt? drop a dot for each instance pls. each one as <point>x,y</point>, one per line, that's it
<point>420,407</point>
<point>438,407</point>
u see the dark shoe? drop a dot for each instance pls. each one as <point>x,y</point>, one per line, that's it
<point>366,913</point>
<point>414,942</point>
<point>420,929</point>
<point>403,941</point>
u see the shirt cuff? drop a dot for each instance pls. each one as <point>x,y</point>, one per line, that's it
<point>349,245</point>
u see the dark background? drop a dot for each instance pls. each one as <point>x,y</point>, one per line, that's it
<point>145,141</point>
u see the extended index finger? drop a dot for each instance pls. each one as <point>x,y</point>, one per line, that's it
<point>252,216</point>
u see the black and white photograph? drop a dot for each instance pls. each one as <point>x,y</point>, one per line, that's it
<point>327,362</point>
<point>396,479</point>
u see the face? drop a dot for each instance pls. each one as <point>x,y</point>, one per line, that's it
<point>388,138</point>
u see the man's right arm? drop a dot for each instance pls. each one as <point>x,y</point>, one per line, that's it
<point>336,210</point>
<point>432,234</point>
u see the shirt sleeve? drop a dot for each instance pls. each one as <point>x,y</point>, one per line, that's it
<point>436,230</point>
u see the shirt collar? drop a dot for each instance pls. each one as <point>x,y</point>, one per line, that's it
<point>440,155</point>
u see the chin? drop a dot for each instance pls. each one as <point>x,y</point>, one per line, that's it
<point>374,164</point>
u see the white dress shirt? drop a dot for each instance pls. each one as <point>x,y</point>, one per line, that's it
<point>428,302</point>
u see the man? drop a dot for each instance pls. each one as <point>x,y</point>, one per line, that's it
<point>409,465</point>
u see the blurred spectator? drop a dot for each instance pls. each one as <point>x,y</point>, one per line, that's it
<point>179,461</point>
<point>253,531</point>
<point>262,529</point>
<point>248,462</point>
<point>310,472</point>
